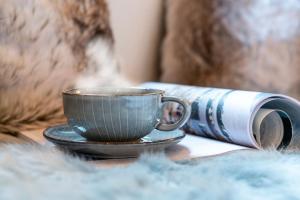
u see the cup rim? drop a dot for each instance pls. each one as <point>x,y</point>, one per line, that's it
<point>97,91</point>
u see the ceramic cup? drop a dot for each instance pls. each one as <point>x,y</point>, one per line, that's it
<point>118,114</point>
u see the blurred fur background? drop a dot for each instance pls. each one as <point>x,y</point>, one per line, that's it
<point>47,46</point>
<point>250,45</point>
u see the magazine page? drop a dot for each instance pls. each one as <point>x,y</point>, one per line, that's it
<point>193,146</point>
<point>253,119</point>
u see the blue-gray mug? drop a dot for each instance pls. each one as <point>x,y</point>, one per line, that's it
<point>118,114</point>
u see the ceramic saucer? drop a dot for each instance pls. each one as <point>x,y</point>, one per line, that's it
<point>64,137</point>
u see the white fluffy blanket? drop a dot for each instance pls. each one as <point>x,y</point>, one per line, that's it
<point>32,172</point>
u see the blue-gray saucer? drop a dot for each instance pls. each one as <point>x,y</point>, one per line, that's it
<point>64,137</point>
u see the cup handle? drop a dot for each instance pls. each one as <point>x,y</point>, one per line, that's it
<point>186,114</point>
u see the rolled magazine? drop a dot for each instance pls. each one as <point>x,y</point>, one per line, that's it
<point>253,119</point>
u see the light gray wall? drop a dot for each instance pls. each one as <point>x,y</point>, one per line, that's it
<point>137,30</point>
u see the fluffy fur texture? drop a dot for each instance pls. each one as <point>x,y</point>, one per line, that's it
<point>29,172</point>
<point>251,45</point>
<point>47,46</point>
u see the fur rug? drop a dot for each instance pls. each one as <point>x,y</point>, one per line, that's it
<point>43,173</point>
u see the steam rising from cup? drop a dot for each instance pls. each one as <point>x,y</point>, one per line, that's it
<point>102,66</point>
